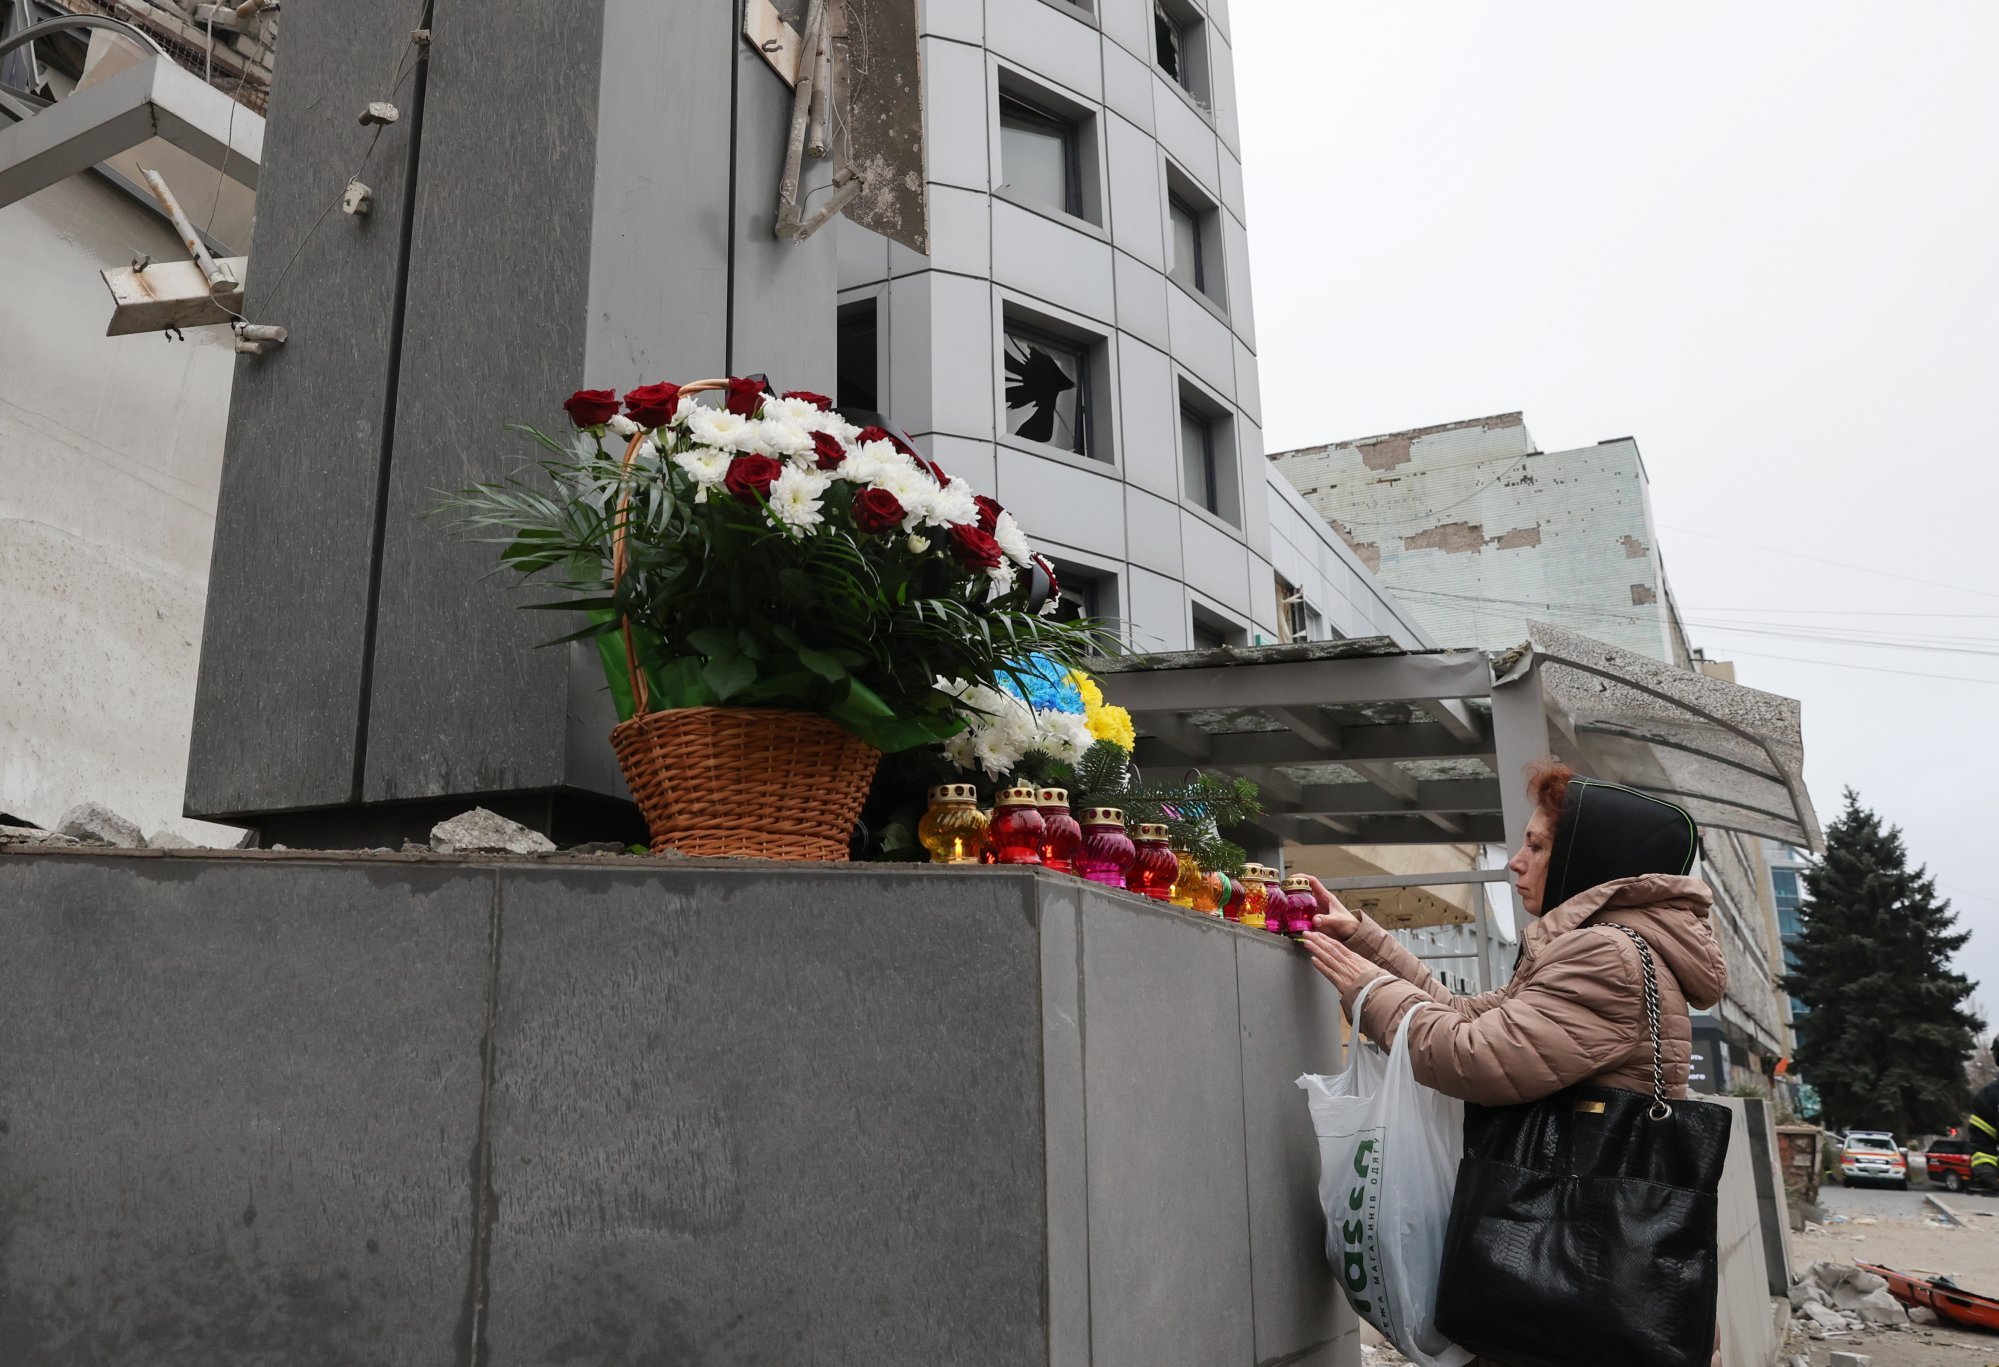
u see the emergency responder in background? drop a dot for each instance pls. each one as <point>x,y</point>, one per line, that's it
<point>1984,1133</point>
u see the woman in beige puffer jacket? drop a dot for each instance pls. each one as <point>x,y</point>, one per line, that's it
<point>1595,857</point>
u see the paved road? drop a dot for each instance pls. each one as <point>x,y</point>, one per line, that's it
<point>1886,1203</point>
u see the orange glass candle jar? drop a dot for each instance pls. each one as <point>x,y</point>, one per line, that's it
<point>1017,828</point>
<point>1106,851</point>
<point>1257,880</point>
<point>1063,832</point>
<point>953,829</point>
<point>1189,883</point>
<point>1153,868</point>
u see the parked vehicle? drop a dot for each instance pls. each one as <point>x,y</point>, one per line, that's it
<point>1948,1162</point>
<point>1873,1156</point>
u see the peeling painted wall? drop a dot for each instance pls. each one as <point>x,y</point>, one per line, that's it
<point>110,452</point>
<point>1478,532</point>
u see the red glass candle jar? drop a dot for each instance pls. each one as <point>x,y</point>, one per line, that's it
<point>1231,895</point>
<point>1302,905</point>
<point>1154,867</point>
<point>1063,832</point>
<point>1106,851</point>
<point>1017,829</point>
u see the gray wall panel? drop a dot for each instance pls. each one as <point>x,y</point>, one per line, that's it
<point>783,300</point>
<point>279,688</point>
<point>770,1118</point>
<point>1169,1220</point>
<point>463,701</point>
<point>240,1104</point>
<point>1289,1026</point>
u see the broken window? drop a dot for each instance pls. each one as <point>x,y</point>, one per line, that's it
<point>1039,157</point>
<point>1170,40</point>
<point>1296,618</point>
<point>1085,594</point>
<point>1048,390</point>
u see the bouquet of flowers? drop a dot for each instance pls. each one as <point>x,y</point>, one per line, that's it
<point>776,555</point>
<point>1041,707</point>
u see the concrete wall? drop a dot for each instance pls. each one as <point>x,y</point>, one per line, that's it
<point>1125,518</point>
<point>421,1111</point>
<point>1477,531</point>
<point>1753,1317</point>
<point>576,195</point>
<point>110,448</point>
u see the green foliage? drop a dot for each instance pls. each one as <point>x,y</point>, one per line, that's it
<point>1886,1033</point>
<point>728,605</point>
<point>1195,812</point>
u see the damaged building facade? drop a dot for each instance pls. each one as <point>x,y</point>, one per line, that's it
<point>1479,533</point>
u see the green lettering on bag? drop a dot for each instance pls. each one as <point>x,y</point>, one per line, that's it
<point>1360,1153</point>
<point>1355,1269</point>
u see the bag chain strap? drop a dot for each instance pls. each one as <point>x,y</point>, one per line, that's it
<point>1660,1108</point>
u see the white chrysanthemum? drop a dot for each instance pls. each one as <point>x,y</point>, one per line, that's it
<point>795,498</point>
<point>952,504</point>
<point>717,427</point>
<point>1001,578</point>
<point>623,426</point>
<point>1013,540</point>
<point>914,490</point>
<point>919,544</point>
<point>797,412</point>
<point>777,437</point>
<point>1065,735</point>
<point>705,467</point>
<point>872,460</point>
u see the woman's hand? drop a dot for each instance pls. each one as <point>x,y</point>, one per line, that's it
<point>1333,918</point>
<point>1339,965</point>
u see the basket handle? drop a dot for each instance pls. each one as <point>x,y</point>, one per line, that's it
<point>621,557</point>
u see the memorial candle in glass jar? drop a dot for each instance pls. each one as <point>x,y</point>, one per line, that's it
<point>1189,883</point>
<point>1153,867</point>
<point>1063,834</point>
<point>953,829</point>
<point>1106,851</point>
<point>1017,828</point>
<point>1257,879</point>
<point>1301,906</point>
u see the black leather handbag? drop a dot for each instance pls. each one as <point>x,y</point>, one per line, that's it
<point>1582,1232</point>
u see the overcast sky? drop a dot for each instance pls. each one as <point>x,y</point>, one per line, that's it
<point>1761,239</point>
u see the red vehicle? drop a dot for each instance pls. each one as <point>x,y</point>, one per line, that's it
<point>1948,1162</point>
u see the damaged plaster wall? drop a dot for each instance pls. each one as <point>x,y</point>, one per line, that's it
<point>1477,531</point>
<point>110,453</point>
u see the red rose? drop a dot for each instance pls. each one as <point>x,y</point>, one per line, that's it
<point>936,471</point>
<point>973,548</point>
<point>591,407</point>
<point>818,401</point>
<point>745,395</point>
<point>827,448</point>
<point>989,512</point>
<point>750,477</point>
<point>883,434</point>
<point>878,510</point>
<point>652,405</point>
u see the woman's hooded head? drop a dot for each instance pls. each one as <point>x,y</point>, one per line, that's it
<point>1606,833</point>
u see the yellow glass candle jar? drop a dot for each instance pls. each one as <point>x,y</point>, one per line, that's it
<point>1189,884</point>
<point>953,829</point>
<point>1259,881</point>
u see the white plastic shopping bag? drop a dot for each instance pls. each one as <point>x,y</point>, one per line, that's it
<point>1388,1162</point>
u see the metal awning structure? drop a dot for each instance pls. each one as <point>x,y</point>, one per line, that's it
<point>1362,742</point>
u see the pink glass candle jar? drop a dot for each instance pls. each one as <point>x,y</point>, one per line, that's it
<point>1301,907</point>
<point>1017,829</point>
<point>1063,832</point>
<point>953,829</point>
<point>1154,867</point>
<point>1106,851</point>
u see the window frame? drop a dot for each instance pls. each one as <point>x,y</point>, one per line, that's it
<point>1189,27</point>
<point>1086,411</point>
<point>1210,499</point>
<point>1021,114</point>
<point>1176,203</point>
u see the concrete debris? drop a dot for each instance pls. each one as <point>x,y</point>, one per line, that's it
<point>597,847</point>
<point>1922,1314</point>
<point>1827,1320</point>
<point>1805,1293</point>
<point>94,824</point>
<point>164,839</point>
<point>34,835</point>
<point>1848,1360</point>
<point>482,832</point>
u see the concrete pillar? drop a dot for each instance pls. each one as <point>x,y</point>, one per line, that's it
<point>1519,736</point>
<point>574,194</point>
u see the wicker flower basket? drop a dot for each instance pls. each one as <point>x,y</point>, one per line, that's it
<point>743,782</point>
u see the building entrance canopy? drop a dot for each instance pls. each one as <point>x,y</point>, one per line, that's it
<point>1362,742</point>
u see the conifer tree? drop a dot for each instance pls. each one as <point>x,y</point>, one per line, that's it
<point>1887,1031</point>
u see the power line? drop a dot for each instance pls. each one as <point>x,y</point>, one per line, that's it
<point>1839,564</point>
<point>1871,669</point>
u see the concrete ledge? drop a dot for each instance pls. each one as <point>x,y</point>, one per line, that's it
<point>264,1106</point>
